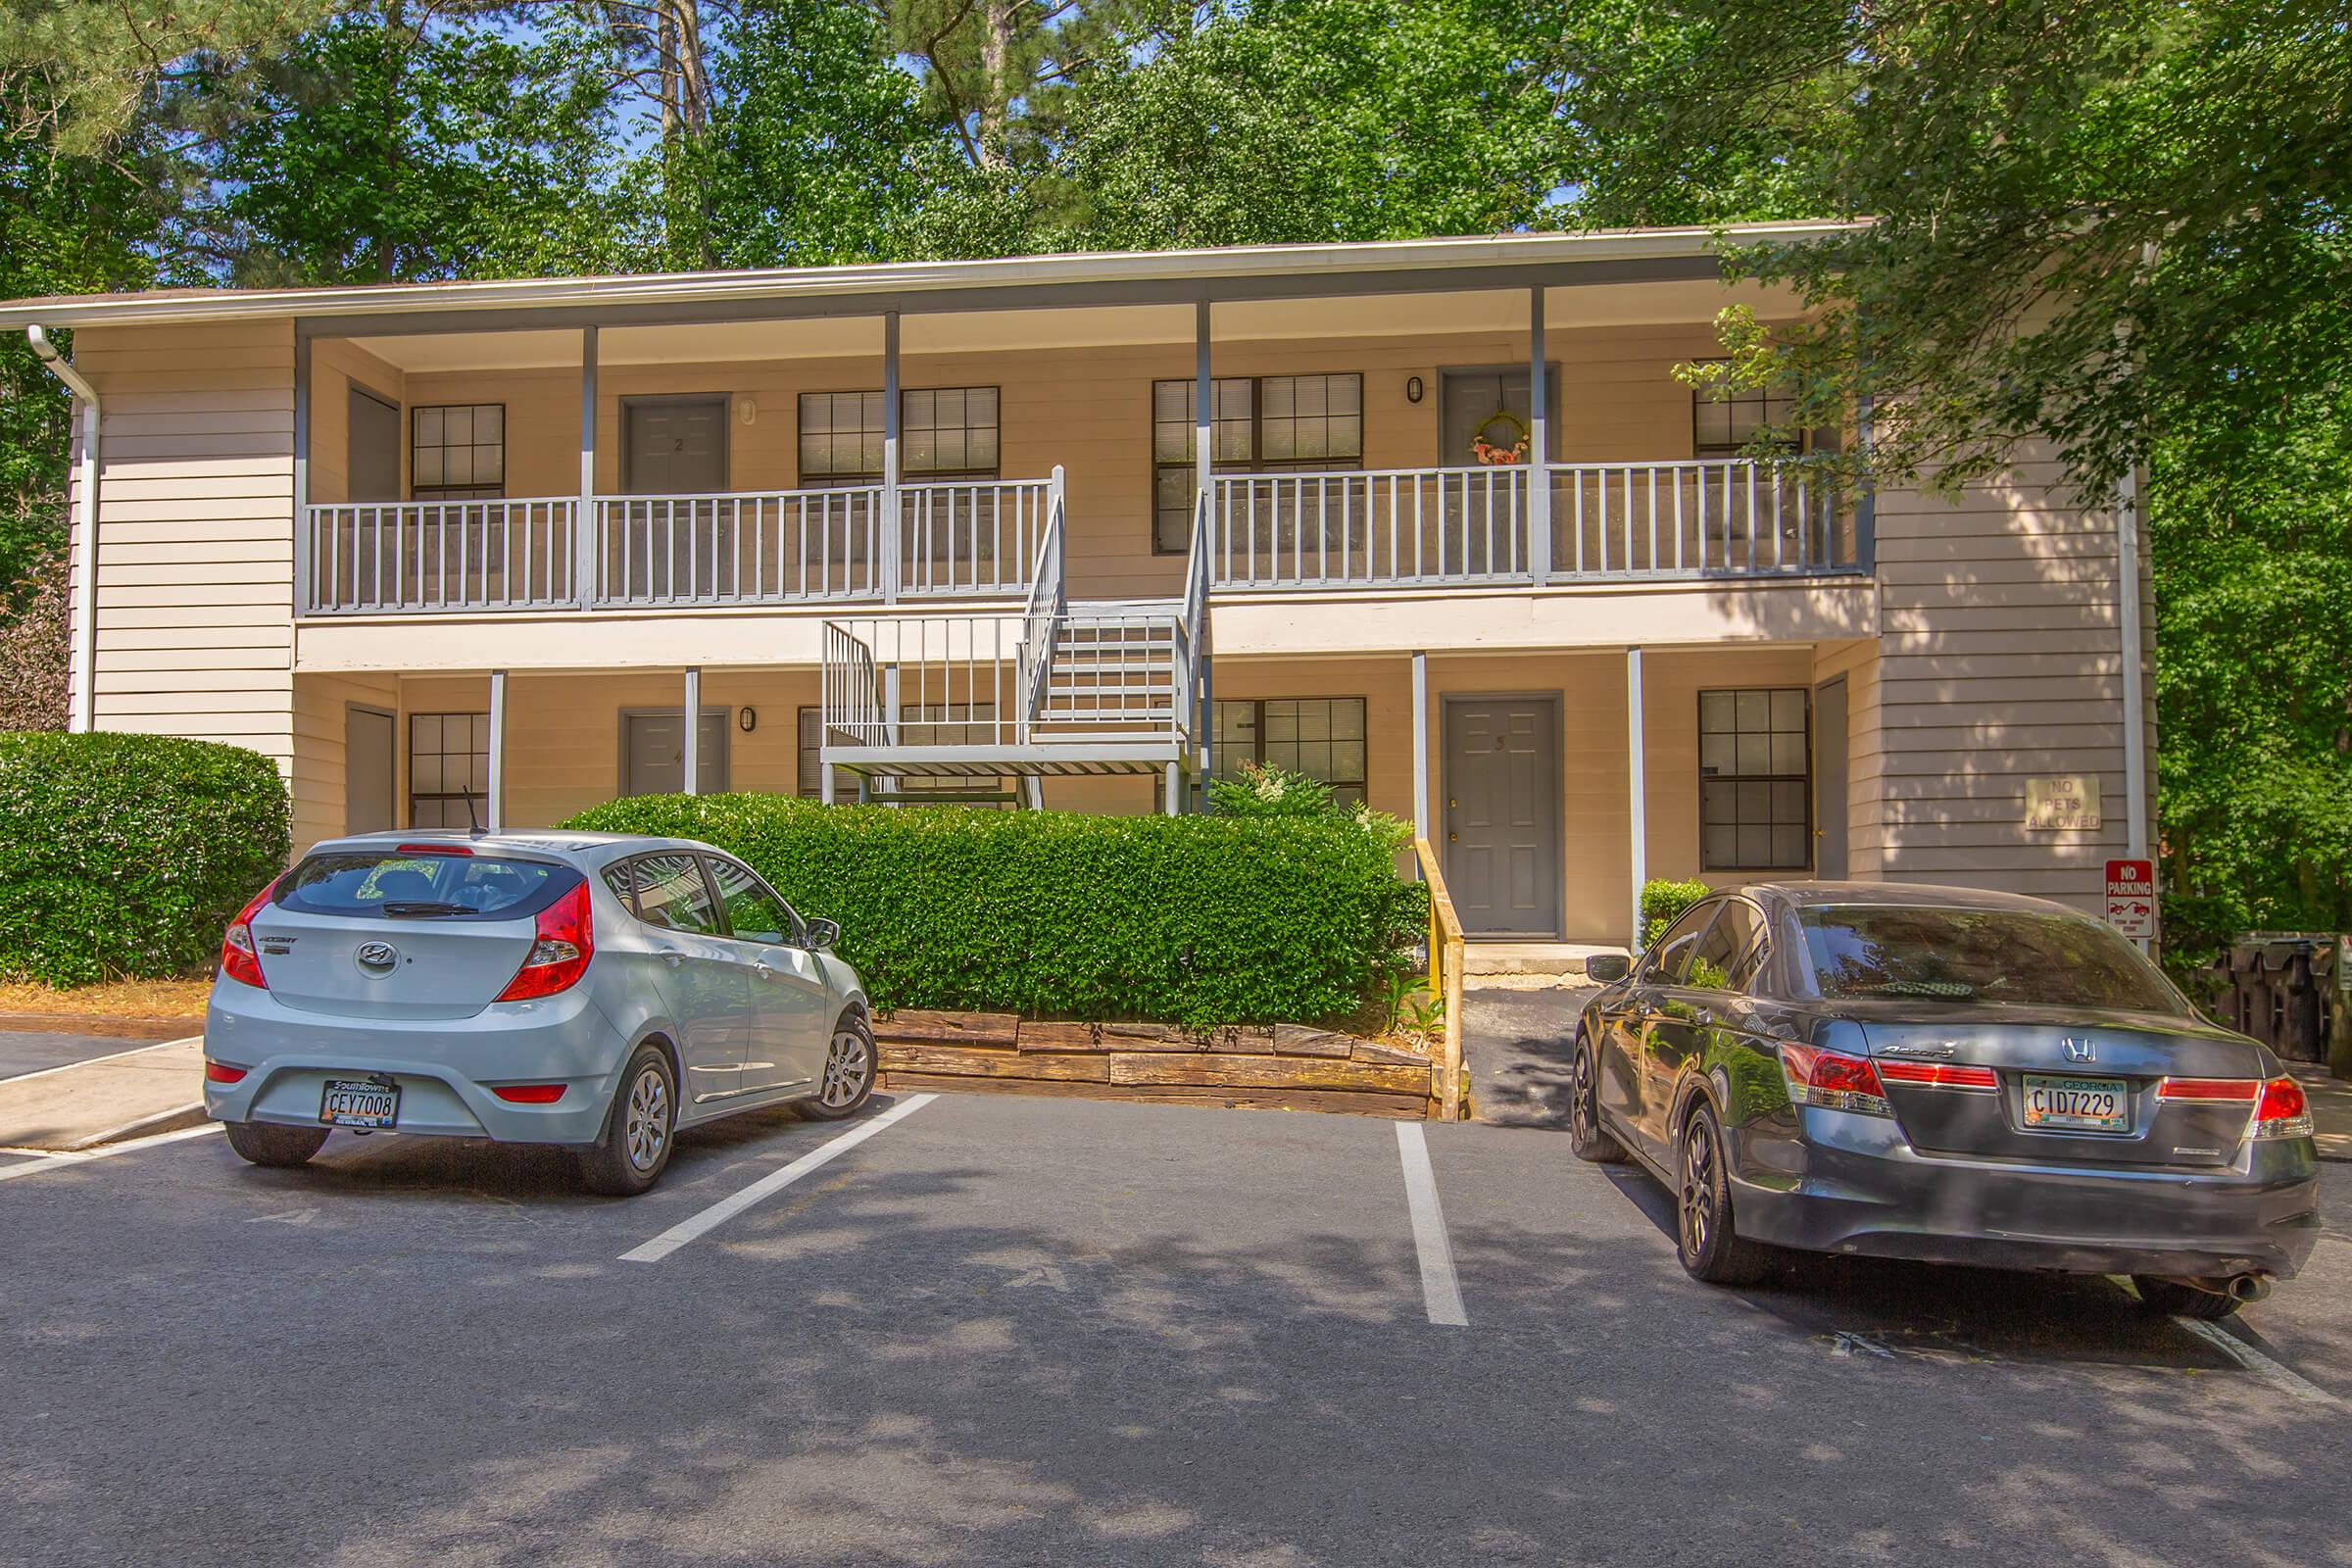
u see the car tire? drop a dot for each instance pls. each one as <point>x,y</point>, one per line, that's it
<point>2172,1298</point>
<point>278,1148</point>
<point>847,1080</point>
<point>1706,1239</point>
<point>640,1128</point>
<point>1588,1139</point>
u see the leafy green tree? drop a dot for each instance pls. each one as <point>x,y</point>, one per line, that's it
<point>69,224</point>
<point>1318,120</point>
<point>2093,220</point>
<point>2252,532</point>
<point>393,145</point>
<point>817,149</point>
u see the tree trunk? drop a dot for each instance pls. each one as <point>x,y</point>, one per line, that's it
<point>996,87</point>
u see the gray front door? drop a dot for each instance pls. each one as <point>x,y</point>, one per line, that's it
<point>1828,778</point>
<point>653,753</point>
<point>371,451</point>
<point>368,787</point>
<point>1504,815</point>
<point>676,446</point>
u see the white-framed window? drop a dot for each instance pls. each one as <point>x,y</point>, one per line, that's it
<point>458,452</point>
<point>1755,779</point>
<point>449,761</point>
<point>947,432</point>
<point>1257,424</point>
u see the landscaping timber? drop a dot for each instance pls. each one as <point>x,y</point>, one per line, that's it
<point>1255,1065</point>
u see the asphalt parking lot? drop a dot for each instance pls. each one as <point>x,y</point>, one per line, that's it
<point>1000,1331</point>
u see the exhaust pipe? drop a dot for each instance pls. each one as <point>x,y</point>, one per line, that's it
<point>2248,1286</point>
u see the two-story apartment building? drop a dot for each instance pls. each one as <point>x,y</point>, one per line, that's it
<point>1432,521</point>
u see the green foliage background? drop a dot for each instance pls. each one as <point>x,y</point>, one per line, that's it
<point>2116,228</point>
<point>129,854</point>
<point>1198,920</point>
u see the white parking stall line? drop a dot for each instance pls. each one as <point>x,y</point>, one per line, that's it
<point>726,1209</point>
<point>2285,1379</point>
<point>1441,1290</point>
<point>84,1157</point>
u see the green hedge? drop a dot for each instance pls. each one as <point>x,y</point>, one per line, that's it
<point>1190,919</point>
<point>129,854</point>
<point>1663,903</point>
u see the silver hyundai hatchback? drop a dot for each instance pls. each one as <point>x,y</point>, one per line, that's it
<point>598,991</point>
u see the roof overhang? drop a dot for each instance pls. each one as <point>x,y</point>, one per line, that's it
<point>1122,277</point>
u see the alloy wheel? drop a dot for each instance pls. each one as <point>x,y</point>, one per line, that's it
<point>1699,1189</point>
<point>648,1127</point>
<point>1581,1098</point>
<point>849,1063</point>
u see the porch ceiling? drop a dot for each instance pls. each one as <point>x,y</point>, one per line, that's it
<point>984,332</point>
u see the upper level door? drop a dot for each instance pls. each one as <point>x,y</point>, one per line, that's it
<point>1469,401</point>
<point>1504,815</point>
<point>674,446</point>
<point>372,452</point>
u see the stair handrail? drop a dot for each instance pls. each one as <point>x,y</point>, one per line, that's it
<point>1196,617</point>
<point>1048,602</point>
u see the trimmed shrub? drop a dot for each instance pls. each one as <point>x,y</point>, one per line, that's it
<point>129,854</point>
<point>1194,920</point>
<point>1663,903</point>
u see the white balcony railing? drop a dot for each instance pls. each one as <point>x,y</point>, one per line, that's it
<point>373,557</point>
<point>1468,527</point>
<point>1394,528</point>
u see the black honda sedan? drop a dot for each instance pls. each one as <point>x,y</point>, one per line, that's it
<point>1946,1075</point>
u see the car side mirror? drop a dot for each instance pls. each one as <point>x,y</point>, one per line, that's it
<point>1607,968</point>
<point>822,934</point>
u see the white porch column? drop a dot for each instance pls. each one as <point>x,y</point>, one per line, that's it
<point>893,523</point>
<point>690,755</point>
<point>495,805</point>
<point>1420,744</point>
<point>1539,443</point>
<point>1637,783</point>
<point>587,532</point>
<point>1173,796</point>
<point>1203,396</point>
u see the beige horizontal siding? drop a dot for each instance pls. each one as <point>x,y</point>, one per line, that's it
<point>195,546</point>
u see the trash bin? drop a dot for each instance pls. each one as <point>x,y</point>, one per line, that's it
<point>2279,987</point>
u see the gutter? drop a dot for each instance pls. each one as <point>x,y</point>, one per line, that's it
<point>82,664</point>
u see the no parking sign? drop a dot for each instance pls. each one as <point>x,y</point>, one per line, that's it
<point>2132,897</point>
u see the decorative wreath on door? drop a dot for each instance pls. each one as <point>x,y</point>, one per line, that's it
<point>1510,448</point>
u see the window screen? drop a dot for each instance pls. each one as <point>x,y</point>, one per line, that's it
<point>449,760</point>
<point>1756,771</point>
<point>1321,737</point>
<point>1257,424</point>
<point>460,452</point>
<point>944,433</point>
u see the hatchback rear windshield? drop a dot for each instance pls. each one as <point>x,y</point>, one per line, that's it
<point>424,887</point>
<point>1879,952</point>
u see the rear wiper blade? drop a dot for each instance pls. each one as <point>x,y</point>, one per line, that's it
<point>400,910</point>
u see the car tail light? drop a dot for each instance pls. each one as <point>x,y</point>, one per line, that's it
<point>2209,1090</point>
<point>528,1094</point>
<point>220,1072</point>
<point>1832,1079</point>
<point>2283,1111</point>
<point>433,849</point>
<point>1937,1074</point>
<point>238,960</point>
<point>559,949</point>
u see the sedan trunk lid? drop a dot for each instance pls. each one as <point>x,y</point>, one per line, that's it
<point>2059,1086</point>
